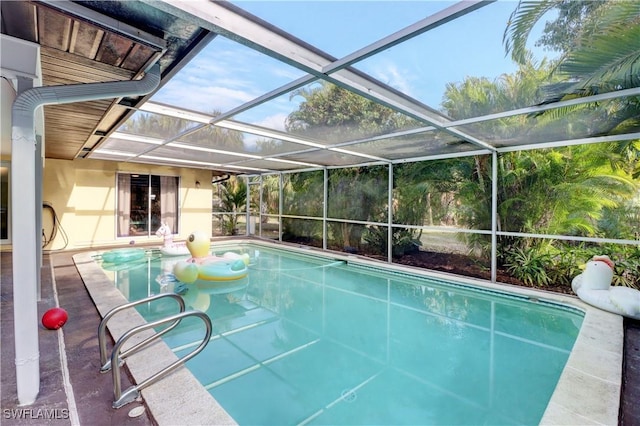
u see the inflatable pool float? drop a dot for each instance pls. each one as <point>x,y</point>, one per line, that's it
<point>223,270</point>
<point>222,287</point>
<point>224,295</point>
<point>123,255</point>
<point>169,248</point>
<point>206,267</point>
<point>594,287</point>
<point>175,249</point>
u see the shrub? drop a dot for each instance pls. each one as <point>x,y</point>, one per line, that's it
<point>528,265</point>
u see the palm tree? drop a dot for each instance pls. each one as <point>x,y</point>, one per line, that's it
<point>603,57</point>
<point>600,42</point>
<point>557,191</point>
<point>234,199</point>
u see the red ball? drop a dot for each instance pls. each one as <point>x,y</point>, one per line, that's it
<point>54,318</point>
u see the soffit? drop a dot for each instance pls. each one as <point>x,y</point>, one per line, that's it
<point>81,44</point>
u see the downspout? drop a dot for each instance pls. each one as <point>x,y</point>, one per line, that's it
<point>23,183</point>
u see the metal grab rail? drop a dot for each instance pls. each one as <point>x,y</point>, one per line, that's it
<point>105,364</point>
<point>132,393</point>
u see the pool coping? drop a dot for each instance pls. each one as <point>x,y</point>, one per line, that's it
<point>588,391</point>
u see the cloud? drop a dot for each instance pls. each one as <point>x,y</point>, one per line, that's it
<point>389,73</point>
<point>205,99</point>
<point>224,76</point>
<point>275,122</point>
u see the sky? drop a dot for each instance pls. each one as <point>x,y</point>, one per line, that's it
<point>226,74</point>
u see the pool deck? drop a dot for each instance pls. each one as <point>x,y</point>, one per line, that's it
<point>596,387</point>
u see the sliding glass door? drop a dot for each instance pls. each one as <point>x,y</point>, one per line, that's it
<point>146,201</point>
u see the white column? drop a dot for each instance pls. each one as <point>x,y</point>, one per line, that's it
<point>390,214</point>
<point>25,263</point>
<point>494,216</point>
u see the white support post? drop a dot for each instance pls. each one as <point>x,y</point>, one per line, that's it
<point>390,215</point>
<point>25,254</point>
<point>325,207</point>
<point>38,170</point>
<point>280,204</point>
<point>494,216</point>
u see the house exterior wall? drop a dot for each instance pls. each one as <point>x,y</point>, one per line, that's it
<point>83,195</point>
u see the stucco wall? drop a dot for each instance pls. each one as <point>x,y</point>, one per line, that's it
<point>82,193</point>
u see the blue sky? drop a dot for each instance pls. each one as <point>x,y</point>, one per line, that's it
<point>227,74</point>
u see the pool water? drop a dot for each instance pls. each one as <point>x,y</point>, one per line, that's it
<point>308,340</point>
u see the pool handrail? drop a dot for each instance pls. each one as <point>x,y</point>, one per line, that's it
<point>105,363</point>
<point>130,395</point>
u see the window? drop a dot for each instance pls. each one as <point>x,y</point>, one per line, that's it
<point>4,202</point>
<point>146,201</point>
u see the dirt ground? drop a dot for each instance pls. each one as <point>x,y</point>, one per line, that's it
<point>465,265</point>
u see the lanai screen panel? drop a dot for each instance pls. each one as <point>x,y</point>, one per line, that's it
<point>303,193</point>
<point>412,146</point>
<point>469,47</point>
<point>355,24</point>
<point>220,138</point>
<point>359,193</point>
<point>126,145</point>
<point>183,152</point>
<point>583,121</point>
<point>348,82</point>
<point>153,125</point>
<point>223,76</point>
<point>327,113</point>
<point>323,157</point>
<point>267,165</point>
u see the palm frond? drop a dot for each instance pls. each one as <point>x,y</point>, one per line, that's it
<point>520,25</point>
<point>611,60</point>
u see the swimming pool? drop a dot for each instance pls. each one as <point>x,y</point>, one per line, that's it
<point>311,340</point>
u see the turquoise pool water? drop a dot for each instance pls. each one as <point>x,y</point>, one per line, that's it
<point>308,340</point>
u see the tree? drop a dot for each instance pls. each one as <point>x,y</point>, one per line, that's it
<point>600,43</point>
<point>557,191</point>
<point>165,127</point>
<point>303,195</point>
<point>477,96</point>
<point>332,114</point>
<point>154,125</point>
<point>234,199</point>
<point>573,18</point>
<point>356,193</point>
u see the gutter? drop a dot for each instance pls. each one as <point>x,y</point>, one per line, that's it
<point>26,268</point>
<point>26,103</point>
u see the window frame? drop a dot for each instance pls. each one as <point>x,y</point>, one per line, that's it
<point>149,199</point>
